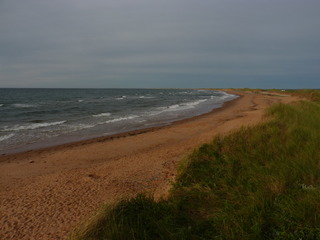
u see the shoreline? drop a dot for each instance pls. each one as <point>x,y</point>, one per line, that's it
<point>48,147</point>
<point>46,193</point>
<point>67,140</point>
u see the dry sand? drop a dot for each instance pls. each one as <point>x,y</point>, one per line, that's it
<point>45,194</point>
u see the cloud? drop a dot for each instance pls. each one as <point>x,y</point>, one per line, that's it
<point>159,43</point>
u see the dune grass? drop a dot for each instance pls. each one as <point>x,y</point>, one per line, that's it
<point>311,94</point>
<point>261,182</point>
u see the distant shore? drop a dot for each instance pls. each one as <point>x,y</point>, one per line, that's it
<point>62,185</point>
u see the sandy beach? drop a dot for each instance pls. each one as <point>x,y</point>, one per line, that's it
<point>46,193</point>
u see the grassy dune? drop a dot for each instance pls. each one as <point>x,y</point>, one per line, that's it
<point>261,182</point>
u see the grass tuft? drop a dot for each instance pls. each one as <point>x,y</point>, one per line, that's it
<point>261,182</point>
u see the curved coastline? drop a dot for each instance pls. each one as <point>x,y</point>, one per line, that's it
<point>67,142</point>
<point>61,186</point>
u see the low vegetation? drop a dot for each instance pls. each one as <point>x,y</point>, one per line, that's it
<point>261,182</point>
<point>308,94</point>
<point>311,94</point>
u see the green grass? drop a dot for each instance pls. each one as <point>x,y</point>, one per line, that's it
<point>311,94</point>
<point>261,182</point>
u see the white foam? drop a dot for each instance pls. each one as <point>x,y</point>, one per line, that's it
<point>174,106</point>
<point>5,137</point>
<point>86,126</point>
<point>227,95</point>
<point>1,105</point>
<point>121,119</point>
<point>82,126</point>
<point>195,103</point>
<point>102,115</point>
<point>186,105</point>
<point>80,100</point>
<point>179,107</point>
<point>145,97</point>
<point>32,126</point>
<point>22,105</point>
<point>121,98</point>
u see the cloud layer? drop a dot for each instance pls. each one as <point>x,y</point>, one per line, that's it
<point>151,43</point>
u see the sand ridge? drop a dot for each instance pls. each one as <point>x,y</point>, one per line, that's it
<point>46,193</point>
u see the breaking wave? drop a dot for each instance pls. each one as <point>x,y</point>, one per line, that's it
<point>5,137</point>
<point>102,115</point>
<point>32,126</point>
<point>22,105</point>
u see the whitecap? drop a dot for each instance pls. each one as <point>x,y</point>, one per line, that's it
<point>1,105</point>
<point>186,105</point>
<point>121,98</point>
<point>32,126</point>
<point>81,126</point>
<point>5,137</point>
<point>86,126</point>
<point>102,115</point>
<point>227,95</point>
<point>121,119</point>
<point>179,107</point>
<point>148,97</point>
<point>174,106</point>
<point>23,105</point>
<point>195,103</point>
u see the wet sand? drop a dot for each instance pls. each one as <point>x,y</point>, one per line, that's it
<point>46,193</point>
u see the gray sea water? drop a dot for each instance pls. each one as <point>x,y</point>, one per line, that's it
<point>33,118</point>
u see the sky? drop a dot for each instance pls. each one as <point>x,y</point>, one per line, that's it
<point>160,43</point>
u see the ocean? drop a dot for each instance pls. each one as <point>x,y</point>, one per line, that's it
<point>34,118</point>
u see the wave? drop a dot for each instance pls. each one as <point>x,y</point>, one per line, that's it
<point>195,103</point>
<point>148,97</point>
<point>174,106</point>
<point>102,115</point>
<point>178,107</point>
<point>5,137</point>
<point>32,126</point>
<point>186,93</point>
<point>182,106</point>
<point>1,105</point>
<point>121,98</point>
<point>121,119</point>
<point>81,126</point>
<point>227,95</point>
<point>23,105</point>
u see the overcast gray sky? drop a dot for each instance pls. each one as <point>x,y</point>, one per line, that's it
<point>160,43</point>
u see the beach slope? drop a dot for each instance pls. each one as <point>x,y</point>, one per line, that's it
<point>46,193</point>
